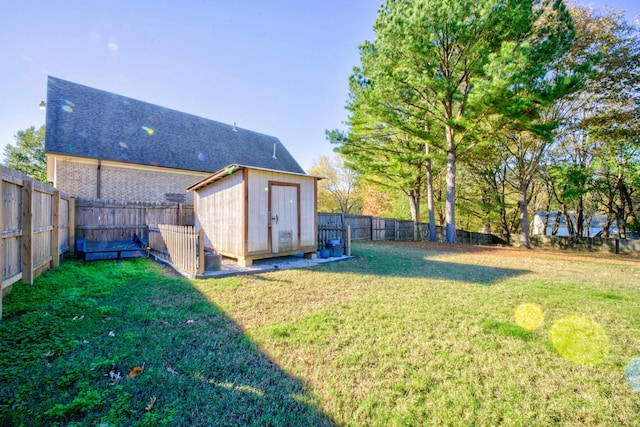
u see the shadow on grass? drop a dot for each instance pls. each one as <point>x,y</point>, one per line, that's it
<point>398,261</point>
<point>224,378</point>
<point>199,368</point>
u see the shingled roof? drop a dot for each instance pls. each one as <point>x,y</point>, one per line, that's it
<point>91,123</point>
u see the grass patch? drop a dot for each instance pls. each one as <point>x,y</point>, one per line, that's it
<point>509,330</point>
<point>71,342</point>
<point>401,336</point>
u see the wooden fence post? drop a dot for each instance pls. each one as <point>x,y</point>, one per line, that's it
<point>348,240</point>
<point>72,225</point>
<point>201,251</point>
<point>395,229</point>
<point>27,231</point>
<point>55,237</point>
<point>371,219</point>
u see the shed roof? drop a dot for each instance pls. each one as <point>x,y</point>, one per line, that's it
<point>91,123</point>
<point>230,169</point>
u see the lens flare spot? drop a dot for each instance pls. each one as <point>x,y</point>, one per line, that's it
<point>124,145</point>
<point>201,156</point>
<point>529,316</point>
<point>580,340</point>
<point>146,129</point>
<point>67,108</point>
<point>113,46</point>
<point>150,131</point>
<point>633,374</point>
<point>266,188</point>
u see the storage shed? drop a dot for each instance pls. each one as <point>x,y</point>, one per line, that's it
<point>250,213</point>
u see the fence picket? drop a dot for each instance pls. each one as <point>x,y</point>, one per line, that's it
<point>32,215</point>
<point>176,244</point>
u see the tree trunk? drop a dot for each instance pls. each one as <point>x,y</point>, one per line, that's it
<point>545,223</point>
<point>503,209</point>
<point>414,204</point>
<point>430,205</point>
<point>567,219</point>
<point>547,209</point>
<point>621,209</point>
<point>450,207</point>
<point>626,195</point>
<point>580,217</point>
<point>556,224</point>
<point>524,217</point>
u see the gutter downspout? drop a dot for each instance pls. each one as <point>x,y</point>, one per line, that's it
<point>99,180</point>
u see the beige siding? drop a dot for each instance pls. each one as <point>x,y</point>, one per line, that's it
<point>258,226</point>
<point>219,211</point>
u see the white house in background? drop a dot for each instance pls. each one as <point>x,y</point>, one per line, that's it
<point>593,224</point>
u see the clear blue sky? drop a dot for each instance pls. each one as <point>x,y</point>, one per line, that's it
<point>279,67</point>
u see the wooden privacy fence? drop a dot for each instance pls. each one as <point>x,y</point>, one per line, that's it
<point>178,245</point>
<point>110,220</point>
<point>365,227</point>
<point>37,226</point>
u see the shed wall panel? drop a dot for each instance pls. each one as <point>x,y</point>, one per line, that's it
<point>219,211</point>
<point>258,208</point>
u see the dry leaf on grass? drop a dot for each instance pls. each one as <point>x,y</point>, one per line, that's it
<point>170,368</point>
<point>152,402</point>
<point>190,321</point>
<point>135,371</point>
<point>115,375</point>
<point>112,334</point>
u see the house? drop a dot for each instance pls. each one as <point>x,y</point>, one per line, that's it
<point>593,224</point>
<point>107,146</point>
<point>250,213</point>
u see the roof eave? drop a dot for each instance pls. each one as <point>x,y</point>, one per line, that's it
<point>232,168</point>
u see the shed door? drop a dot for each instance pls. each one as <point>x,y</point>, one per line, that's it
<point>284,218</point>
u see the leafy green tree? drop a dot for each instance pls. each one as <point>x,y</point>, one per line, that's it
<point>389,158</point>
<point>27,156</point>
<point>339,190</point>
<point>450,74</point>
<point>596,154</point>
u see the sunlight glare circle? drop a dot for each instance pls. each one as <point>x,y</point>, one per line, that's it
<point>580,340</point>
<point>632,372</point>
<point>529,316</point>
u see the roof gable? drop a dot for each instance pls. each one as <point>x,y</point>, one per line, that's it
<point>87,122</point>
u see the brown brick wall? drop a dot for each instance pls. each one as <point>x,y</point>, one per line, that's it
<point>124,184</point>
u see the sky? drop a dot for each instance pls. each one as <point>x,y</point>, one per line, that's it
<point>278,67</point>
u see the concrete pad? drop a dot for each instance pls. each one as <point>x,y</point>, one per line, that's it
<point>229,267</point>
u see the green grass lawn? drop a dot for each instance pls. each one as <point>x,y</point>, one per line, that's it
<point>400,336</point>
